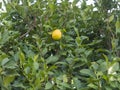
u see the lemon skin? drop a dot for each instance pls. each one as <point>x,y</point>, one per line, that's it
<point>56,34</point>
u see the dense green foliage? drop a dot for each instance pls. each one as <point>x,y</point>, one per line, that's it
<point>86,58</point>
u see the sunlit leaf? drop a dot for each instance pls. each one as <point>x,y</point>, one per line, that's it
<point>8,80</point>
<point>48,85</point>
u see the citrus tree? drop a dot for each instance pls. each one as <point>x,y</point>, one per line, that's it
<point>51,45</point>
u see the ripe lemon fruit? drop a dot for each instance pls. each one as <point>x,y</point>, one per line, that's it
<point>56,34</point>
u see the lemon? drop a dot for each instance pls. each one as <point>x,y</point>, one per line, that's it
<point>56,34</point>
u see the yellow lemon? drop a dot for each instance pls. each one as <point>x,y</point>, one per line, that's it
<point>56,34</point>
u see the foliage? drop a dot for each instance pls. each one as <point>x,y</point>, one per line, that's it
<point>86,58</point>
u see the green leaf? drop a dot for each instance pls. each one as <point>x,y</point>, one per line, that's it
<point>0,5</point>
<point>69,60</point>
<point>8,80</point>
<point>114,43</point>
<point>77,83</point>
<point>107,60</point>
<point>22,58</point>
<point>103,67</point>
<point>84,38</point>
<point>11,64</point>
<point>95,65</point>
<point>111,18</point>
<point>65,78</point>
<point>93,86</point>
<point>87,72</point>
<point>115,67</point>
<point>25,2</point>
<point>27,70</point>
<point>22,10</point>
<point>52,7</point>
<point>4,37</point>
<point>61,63</point>
<point>44,51</point>
<point>48,85</point>
<point>117,27</point>
<point>52,68</point>
<point>88,52</point>
<point>4,61</point>
<point>17,84</point>
<point>35,57</point>
<point>108,88</point>
<point>75,2</point>
<point>66,85</point>
<point>52,59</point>
<point>78,41</point>
<point>68,38</point>
<point>47,26</point>
<point>76,30</point>
<point>36,65</point>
